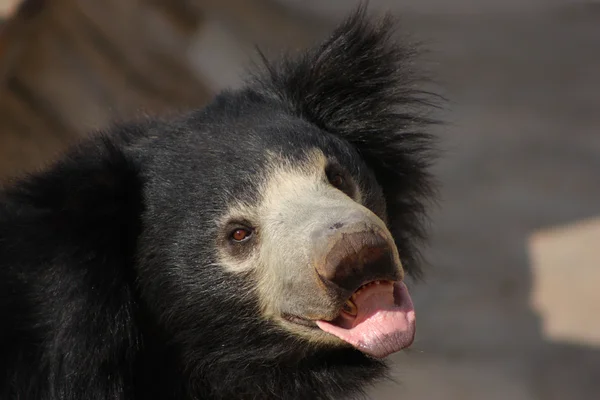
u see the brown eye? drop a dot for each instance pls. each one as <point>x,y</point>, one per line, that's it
<point>337,181</point>
<point>241,234</point>
<point>340,179</point>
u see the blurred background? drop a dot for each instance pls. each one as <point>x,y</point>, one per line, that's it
<point>511,305</point>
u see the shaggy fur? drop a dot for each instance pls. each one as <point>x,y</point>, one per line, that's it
<point>109,282</point>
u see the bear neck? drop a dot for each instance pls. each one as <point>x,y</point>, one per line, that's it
<point>253,370</point>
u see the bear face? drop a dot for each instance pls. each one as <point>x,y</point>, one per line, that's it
<point>256,248</point>
<point>295,211</point>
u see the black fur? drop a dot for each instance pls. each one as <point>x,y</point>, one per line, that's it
<point>108,282</point>
<point>361,87</point>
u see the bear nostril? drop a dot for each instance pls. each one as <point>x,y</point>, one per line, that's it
<point>356,258</point>
<point>371,254</point>
<point>337,225</point>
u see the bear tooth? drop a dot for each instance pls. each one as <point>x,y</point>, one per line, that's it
<point>350,308</point>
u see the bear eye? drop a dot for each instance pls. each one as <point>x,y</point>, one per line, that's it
<point>338,181</point>
<point>338,178</point>
<point>241,234</point>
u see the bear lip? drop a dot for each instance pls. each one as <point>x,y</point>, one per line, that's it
<point>294,319</point>
<point>384,322</point>
<point>312,323</point>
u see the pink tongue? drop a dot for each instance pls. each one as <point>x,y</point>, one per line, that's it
<point>384,324</point>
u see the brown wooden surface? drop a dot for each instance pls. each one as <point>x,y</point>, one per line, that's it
<point>68,67</point>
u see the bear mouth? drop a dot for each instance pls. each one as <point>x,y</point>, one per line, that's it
<point>377,319</point>
<point>348,310</point>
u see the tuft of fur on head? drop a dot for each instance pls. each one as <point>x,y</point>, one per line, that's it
<point>360,85</point>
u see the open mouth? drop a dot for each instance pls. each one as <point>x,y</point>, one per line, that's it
<point>349,308</point>
<point>378,319</point>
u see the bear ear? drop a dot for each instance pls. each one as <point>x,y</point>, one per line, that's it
<point>90,200</point>
<point>363,86</point>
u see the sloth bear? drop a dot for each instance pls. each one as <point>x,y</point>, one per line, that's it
<point>252,249</point>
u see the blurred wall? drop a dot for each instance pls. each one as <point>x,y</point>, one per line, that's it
<point>520,182</point>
